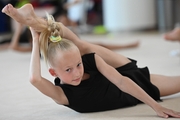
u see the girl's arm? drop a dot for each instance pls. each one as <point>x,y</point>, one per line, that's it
<point>42,84</point>
<point>128,86</point>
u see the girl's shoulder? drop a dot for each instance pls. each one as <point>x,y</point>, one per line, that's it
<point>89,58</point>
<point>88,54</point>
<point>89,61</point>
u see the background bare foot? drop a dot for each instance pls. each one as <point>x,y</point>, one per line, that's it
<point>173,35</point>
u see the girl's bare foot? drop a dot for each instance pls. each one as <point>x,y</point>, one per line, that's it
<point>174,35</point>
<point>25,15</point>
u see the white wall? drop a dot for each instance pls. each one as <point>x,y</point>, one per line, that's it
<point>129,14</point>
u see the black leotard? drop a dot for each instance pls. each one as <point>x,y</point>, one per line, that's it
<point>98,94</point>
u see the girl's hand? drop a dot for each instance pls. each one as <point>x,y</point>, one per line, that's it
<point>35,35</point>
<point>166,113</point>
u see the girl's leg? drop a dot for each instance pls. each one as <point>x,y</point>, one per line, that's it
<point>117,47</point>
<point>25,15</point>
<point>167,85</point>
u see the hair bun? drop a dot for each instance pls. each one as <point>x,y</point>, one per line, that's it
<point>55,33</point>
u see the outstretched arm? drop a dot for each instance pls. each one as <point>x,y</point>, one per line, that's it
<point>42,84</point>
<point>128,86</point>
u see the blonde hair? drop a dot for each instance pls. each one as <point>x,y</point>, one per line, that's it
<point>49,48</point>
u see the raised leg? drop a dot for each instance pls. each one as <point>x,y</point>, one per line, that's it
<point>25,15</point>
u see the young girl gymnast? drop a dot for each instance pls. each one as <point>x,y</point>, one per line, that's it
<point>88,77</point>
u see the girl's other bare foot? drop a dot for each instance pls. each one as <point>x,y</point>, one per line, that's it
<point>173,35</point>
<point>25,15</point>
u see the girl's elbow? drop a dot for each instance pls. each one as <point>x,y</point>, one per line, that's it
<point>34,80</point>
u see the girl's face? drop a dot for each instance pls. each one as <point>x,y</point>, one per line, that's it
<point>68,67</point>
